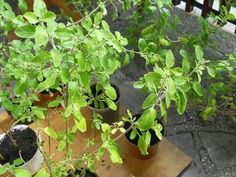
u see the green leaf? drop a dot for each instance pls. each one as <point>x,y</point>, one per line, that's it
<point>105,26</point>
<point>170,59</point>
<point>114,153</point>
<point>142,44</point>
<point>49,16</point>
<point>147,120</point>
<point>198,52</point>
<point>181,102</point>
<point>54,103</point>
<point>50,132</point>
<point>149,101</point>
<point>168,100</point>
<point>159,70</point>
<point>147,138</point>
<point>42,173</point>
<point>100,152</point>
<point>211,71</point>
<point>65,76</point>
<point>80,60</point>
<point>39,7</point>
<point>19,172</point>
<point>31,17</point>
<point>61,145</point>
<point>68,111</point>
<point>106,127</point>
<point>185,63</point>
<point>207,112</point>
<point>198,88</point>
<point>20,86</point>
<point>84,79</point>
<point>180,80</point>
<point>163,110</point>
<point>139,84</point>
<point>110,92</point>
<point>27,31</point>
<point>152,78</point>
<point>80,121</point>
<point>3,170</point>
<point>63,33</point>
<point>177,71</point>
<point>41,36</point>
<point>49,82</point>
<point>142,145</point>
<point>98,18</point>
<point>171,86</point>
<point>38,112</point>
<point>22,6</point>
<point>87,23</point>
<point>158,128</point>
<point>111,104</point>
<point>57,57</point>
<point>133,134</point>
<point>6,104</point>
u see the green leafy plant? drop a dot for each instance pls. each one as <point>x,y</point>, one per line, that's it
<point>141,126</point>
<point>65,57</point>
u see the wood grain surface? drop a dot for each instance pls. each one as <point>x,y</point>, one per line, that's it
<point>168,162</point>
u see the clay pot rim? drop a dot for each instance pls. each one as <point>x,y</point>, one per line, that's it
<point>117,99</point>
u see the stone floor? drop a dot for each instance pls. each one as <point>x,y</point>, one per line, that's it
<point>211,145</point>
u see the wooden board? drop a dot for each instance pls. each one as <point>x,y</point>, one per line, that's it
<point>168,162</point>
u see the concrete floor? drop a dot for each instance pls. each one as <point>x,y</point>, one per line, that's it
<point>212,145</point>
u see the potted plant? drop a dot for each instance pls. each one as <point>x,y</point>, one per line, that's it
<point>20,149</point>
<point>169,80</point>
<point>65,57</point>
<point>143,132</point>
<point>105,102</point>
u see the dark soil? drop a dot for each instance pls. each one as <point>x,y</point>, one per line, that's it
<point>154,138</point>
<point>50,91</point>
<point>19,140</point>
<point>80,173</point>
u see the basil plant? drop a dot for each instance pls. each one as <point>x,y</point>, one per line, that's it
<point>66,56</point>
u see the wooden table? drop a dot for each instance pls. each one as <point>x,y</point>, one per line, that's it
<point>168,162</point>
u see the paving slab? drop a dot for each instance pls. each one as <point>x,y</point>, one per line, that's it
<point>221,149</point>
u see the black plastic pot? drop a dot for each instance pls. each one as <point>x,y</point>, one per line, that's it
<point>21,142</point>
<point>109,116</point>
<point>133,143</point>
<point>81,172</point>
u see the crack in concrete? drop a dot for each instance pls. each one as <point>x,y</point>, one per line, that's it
<point>208,165</point>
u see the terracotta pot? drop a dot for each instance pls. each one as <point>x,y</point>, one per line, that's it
<point>109,116</point>
<point>133,144</point>
<point>67,8</point>
<point>45,97</point>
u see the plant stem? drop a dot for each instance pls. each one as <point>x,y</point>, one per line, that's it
<point>65,93</point>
